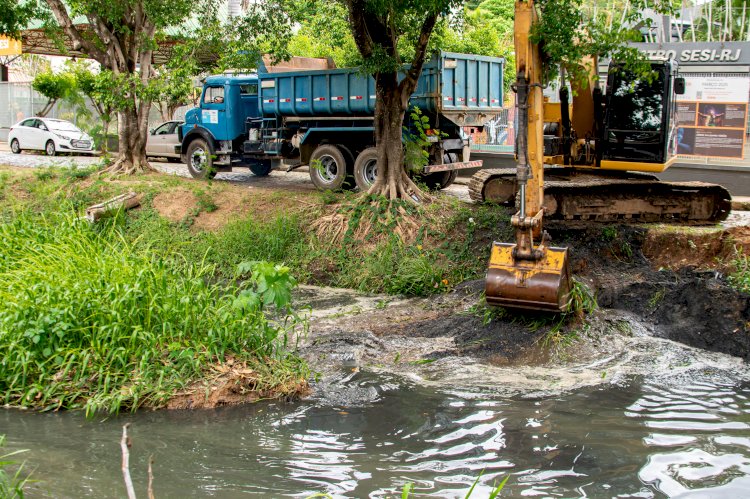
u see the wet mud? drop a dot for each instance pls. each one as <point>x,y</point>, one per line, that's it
<point>664,318</point>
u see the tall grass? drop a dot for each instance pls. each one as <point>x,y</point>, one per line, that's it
<point>88,319</point>
<point>13,478</point>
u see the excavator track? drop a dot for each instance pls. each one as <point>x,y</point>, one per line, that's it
<point>608,196</point>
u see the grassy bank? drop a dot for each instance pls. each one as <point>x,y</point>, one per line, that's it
<point>144,306</point>
<point>93,320</point>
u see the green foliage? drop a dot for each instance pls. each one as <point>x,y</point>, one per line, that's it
<point>93,321</point>
<point>16,16</point>
<point>583,300</point>
<point>570,31</point>
<point>417,140</point>
<point>54,86</point>
<point>12,483</point>
<point>740,277</point>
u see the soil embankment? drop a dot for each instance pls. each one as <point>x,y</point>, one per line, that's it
<point>663,299</point>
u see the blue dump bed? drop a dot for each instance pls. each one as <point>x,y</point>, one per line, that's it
<point>467,89</point>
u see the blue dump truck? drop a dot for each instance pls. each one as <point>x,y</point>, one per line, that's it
<point>286,117</point>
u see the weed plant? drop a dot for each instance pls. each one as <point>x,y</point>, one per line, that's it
<point>13,478</point>
<point>740,278</point>
<point>90,320</point>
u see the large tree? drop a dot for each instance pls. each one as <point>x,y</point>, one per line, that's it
<point>122,36</point>
<point>378,27</point>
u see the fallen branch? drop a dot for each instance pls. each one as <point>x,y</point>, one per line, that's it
<point>123,201</point>
<point>124,445</point>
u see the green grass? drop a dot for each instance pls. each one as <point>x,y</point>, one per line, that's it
<point>740,278</point>
<point>91,320</point>
<point>13,478</point>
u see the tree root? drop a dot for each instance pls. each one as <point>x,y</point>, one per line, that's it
<point>127,166</point>
<point>363,226</point>
<point>399,188</point>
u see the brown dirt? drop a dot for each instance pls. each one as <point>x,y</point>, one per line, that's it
<point>233,202</point>
<point>233,383</point>
<point>175,205</point>
<point>694,247</point>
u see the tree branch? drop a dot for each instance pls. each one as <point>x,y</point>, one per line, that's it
<point>359,28</point>
<point>63,19</point>
<point>409,83</point>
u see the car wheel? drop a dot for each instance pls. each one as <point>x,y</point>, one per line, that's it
<point>200,161</point>
<point>15,146</point>
<point>366,168</point>
<point>328,168</point>
<point>50,148</point>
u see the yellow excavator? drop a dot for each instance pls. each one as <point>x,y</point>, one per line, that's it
<point>600,153</point>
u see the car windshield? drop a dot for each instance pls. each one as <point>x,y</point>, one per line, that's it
<point>62,126</point>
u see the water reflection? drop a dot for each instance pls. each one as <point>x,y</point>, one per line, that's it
<point>701,447</point>
<point>638,440</point>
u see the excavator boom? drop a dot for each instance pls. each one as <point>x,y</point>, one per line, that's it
<point>528,274</point>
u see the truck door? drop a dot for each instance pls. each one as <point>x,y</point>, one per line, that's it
<point>213,111</point>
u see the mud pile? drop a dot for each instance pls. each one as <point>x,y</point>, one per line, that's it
<point>653,319</point>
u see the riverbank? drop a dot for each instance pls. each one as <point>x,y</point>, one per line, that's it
<point>652,283</point>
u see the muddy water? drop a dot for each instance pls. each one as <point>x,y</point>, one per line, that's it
<point>366,435</point>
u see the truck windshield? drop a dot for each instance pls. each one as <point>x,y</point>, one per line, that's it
<point>214,95</point>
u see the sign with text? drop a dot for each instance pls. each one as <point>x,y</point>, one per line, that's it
<point>712,115</point>
<point>9,46</point>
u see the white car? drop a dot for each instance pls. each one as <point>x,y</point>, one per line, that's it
<point>49,135</point>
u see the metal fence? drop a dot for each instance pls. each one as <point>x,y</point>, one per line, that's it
<point>20,100</point>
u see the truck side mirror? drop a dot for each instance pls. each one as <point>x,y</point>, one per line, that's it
<point>679,86</point>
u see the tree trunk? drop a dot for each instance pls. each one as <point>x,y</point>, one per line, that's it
<point>392,181</point>
<point>132,134</point>
<point>105,133</point>
<point>47,108</point>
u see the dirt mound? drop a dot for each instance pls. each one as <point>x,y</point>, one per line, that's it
<point>175,205</point>
<point>668,277</point>
<point>695,247</point>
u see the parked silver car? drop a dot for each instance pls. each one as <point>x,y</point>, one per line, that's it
<point>49,135</point>
<point>163,142</point>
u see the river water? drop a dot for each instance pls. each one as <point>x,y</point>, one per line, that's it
<point>638,438</point>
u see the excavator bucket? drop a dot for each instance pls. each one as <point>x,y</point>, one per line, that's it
<point>542,284</point>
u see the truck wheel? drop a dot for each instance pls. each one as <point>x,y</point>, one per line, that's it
<point>261,167</point>
<point>200,162</point>
<point>366,168</point>
<point>441,180</point>
<point>328,168</point>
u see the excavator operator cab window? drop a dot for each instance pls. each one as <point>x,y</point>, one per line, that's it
<point>636,114</point>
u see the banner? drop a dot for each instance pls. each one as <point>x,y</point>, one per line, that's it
<point>9,46</point>
<point>712,116</point>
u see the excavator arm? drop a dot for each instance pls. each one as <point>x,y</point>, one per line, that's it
<point>528,274</point>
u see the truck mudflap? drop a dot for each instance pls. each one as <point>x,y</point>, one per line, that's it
<point>453,166</point>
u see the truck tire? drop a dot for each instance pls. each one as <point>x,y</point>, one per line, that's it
<point>261,167</point>
<point>366,168</point>
<point>328,168</point>
<point>441,180</point>
<point>200,160</point>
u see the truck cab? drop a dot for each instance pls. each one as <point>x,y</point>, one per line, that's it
<point>216,129</point>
